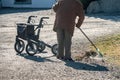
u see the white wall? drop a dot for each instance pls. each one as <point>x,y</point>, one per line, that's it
<point>7,3</point>
<point>35,4</point>
<point>43,3</point>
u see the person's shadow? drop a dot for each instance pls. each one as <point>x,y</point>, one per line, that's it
<point>85,66</point>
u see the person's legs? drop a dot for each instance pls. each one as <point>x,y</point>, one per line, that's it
<point>68,42</point>
<point>60,39</point>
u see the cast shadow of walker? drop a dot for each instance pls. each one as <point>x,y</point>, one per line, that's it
<point>85,66</point>
<point>35,57</point>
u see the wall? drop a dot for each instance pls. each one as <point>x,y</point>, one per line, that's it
<point>94,7</point>
<point>7,3</point>
<point>35,4</point>
<point>107,6</point>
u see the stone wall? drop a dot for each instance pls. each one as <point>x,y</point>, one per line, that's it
<point>107,6</point>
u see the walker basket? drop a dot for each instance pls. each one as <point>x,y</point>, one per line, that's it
<point>21,30</point>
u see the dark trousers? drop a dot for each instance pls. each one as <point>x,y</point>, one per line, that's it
<point>64,43</point>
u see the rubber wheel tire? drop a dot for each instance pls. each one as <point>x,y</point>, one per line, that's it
<point>19,46</point>
<point>31,48</point>
<point>55,49</point>
<point>41,46</point>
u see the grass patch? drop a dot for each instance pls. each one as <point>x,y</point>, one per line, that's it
<point>110,46</point>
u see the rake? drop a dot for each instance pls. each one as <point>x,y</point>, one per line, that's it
<point>99,54</point>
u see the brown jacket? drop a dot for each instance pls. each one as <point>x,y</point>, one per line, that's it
<point>66,13</point>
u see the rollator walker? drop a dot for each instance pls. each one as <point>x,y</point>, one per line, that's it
<point>30,32</point>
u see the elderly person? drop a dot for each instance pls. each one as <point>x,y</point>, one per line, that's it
<point>66,13</point>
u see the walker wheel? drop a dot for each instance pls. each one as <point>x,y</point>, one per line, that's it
<point>41,46</point>
<point>31,48</point>
<point>19,46</point>
<point>55,49</point>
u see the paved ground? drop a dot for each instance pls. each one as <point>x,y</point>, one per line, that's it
<point>45,66</point>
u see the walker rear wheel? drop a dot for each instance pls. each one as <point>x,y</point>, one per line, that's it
<point>31,48</point>
<point>55,49</point>
<point>41,46</point>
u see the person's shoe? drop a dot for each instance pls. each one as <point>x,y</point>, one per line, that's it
<point>61,58</point>
<point>69,59</point>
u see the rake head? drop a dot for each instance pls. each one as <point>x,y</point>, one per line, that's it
<point>99,55</point>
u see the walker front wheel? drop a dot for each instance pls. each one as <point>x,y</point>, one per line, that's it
<point>19,46</point>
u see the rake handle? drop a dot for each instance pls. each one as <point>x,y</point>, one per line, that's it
<point>87,38</point>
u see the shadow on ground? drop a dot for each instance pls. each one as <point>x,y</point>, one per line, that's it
<point>106,16</point>
<point>85,66</point>
<point>75,65</point>
<point>35,57</point>
<point>20,10</point>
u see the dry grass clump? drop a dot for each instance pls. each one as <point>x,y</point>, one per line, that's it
<point>110,46</point>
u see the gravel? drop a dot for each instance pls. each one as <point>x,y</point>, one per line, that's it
<point>45,66</point>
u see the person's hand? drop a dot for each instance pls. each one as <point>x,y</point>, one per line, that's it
<point>78,26</point>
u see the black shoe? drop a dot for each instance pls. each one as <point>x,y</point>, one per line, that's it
<point>61,58</point>
<point>69,59</point>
